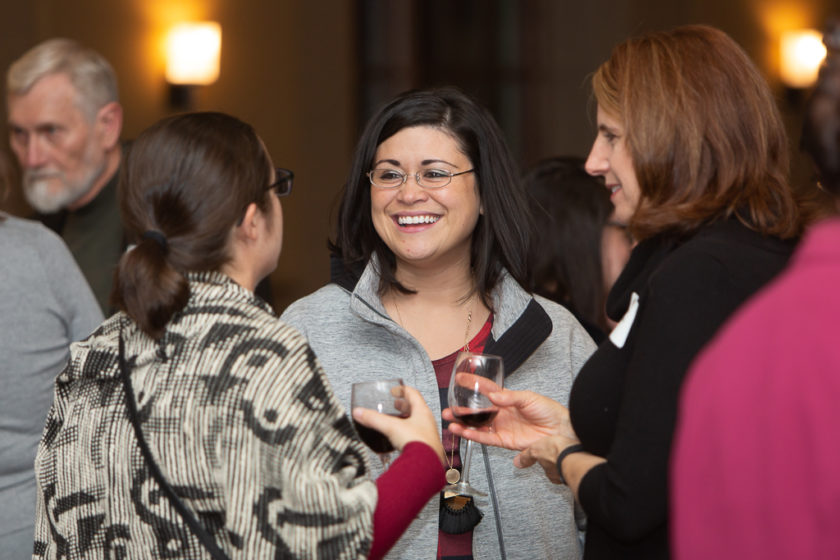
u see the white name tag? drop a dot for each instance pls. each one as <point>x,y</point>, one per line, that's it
<point>618,336</point>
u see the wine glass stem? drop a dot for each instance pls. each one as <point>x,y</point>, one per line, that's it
<point>466,468</point>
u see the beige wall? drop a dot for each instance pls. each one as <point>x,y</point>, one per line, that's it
<point>290,68</point>
<point>580,35</point>
<point>287,68</point>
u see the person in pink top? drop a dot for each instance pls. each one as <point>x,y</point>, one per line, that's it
<point>757,453</point>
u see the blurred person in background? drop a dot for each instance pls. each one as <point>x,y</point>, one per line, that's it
<point>64,120</point>
<point>756,453</point>
<point>45,304</point>
<point>577,252</point>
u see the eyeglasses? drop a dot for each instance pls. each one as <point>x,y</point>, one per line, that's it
<point>426,178</point>
<point>283,179</point>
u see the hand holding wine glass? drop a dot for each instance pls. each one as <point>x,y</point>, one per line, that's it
<point>389,415</point>
<point>474,376</point>
<point>523,418</point>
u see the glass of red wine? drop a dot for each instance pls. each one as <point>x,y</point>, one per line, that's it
<point>473,376</point>
<point>385,396</point>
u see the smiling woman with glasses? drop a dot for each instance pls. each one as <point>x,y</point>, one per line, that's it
<point>430,259</point>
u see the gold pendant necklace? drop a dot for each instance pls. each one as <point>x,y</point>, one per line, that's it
<point>452,474</point>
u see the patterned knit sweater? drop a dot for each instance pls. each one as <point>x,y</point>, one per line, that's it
<point>239,417</point>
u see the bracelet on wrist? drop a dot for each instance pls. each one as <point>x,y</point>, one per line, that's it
<point>575,448</point>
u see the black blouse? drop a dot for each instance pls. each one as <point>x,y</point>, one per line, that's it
<point>623,403</point>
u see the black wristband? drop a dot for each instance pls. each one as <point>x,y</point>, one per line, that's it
<point>576,448</point>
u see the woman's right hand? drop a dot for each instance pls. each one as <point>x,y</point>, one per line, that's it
<point>524,417</point>
<point>420,425</point>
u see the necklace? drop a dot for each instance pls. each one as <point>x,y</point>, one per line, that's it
<point>452,474</point>
<point>467,331</point>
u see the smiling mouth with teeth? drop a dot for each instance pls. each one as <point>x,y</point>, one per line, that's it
<point>614,189</point>
<point>413,220</point>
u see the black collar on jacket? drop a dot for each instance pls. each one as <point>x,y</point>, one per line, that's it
<point>515,346</point>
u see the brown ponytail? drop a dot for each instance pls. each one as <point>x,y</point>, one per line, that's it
<point>151,290</point>
<point>185,183</point>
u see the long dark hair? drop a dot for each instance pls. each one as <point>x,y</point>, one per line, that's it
<point>500,238</point>
<point>570,209</point>
<point>188,178</point>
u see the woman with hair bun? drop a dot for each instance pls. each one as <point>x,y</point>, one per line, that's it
<point>194,423</point>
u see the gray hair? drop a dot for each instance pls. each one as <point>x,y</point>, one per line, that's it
<point>91,75</point>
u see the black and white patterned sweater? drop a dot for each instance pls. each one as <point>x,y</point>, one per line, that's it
<point>237,413</point>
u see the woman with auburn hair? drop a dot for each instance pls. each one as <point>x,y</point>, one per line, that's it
<point>194,423</point>
<point>694,154</point>
<point>703,132</point>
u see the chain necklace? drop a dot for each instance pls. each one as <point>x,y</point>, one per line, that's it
<point>452,474</point>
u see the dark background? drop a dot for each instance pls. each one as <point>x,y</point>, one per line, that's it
<point>307,73</point>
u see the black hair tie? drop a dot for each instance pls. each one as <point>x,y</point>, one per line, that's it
<point>157,237</point>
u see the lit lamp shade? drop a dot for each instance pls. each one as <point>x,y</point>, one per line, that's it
<point>802,54</point>
<point>192,53</point>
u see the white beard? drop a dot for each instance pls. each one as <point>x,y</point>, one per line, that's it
<point>48,192</point>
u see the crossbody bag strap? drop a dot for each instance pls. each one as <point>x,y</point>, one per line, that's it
<point>207,540</point>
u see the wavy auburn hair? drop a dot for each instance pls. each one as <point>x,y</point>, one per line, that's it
<point>703,131</point>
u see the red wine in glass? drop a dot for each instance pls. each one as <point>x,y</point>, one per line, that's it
<point>474,418</point>
<point>473,377</point>
<point>375,439</point>
<point>385,396</point>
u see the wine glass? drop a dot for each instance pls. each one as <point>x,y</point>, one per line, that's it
<point>473,376</point>
<point>385,396</point>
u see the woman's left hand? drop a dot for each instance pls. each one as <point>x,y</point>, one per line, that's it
<point>545,452</point>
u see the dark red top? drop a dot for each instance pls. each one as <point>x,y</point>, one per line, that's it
<point>452,547</point>
<point>399,503</point>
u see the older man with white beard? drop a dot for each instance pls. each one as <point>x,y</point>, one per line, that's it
<point>64,127</point>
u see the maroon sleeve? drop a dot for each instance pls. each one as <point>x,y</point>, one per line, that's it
<point>399,502</point>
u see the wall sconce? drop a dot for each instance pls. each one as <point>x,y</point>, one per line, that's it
<point>192,59</point>
<point>802,53</point>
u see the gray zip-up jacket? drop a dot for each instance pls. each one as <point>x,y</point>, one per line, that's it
<point>543,346</point>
